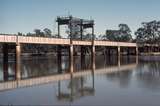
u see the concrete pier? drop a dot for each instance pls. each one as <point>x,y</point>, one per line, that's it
<point>93,57</point>
<point>18,61</point>
<point>71,57</point>
<point>59,59</point>
<point>5,62</point>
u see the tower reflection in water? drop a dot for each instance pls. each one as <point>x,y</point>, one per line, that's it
<point>76,88</point>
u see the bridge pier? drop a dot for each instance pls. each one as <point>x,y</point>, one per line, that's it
<point>119,51</point>
<point>71,57</point>
<point>82,53</point>
<point>136,51</point>
<point>109,51</point>
<point>5,62</point>
<point>82,57</point>
<point>93,57</point>
<point>128,51</point>
<point>59,58</point>
<point>119,56</point>
<point>18,61</point>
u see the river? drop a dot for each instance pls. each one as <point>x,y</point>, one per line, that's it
<point>45,81</point>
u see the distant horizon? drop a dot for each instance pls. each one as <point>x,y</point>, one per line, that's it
<point>26,15</point>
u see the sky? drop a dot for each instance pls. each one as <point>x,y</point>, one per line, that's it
<point>26,15</point>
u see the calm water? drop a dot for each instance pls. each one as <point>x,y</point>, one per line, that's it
<point>132,83</point>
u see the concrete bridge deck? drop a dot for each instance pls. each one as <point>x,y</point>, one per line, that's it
<point>59,41</point>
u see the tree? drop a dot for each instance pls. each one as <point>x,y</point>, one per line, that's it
<point>140,35</point>
<point>47,32</point>
<point>39,33</point>
<point>20,34</point>
<point>149,32</point>
<point>123,34</point>
<point>112,35</point>
<point>29,34</point>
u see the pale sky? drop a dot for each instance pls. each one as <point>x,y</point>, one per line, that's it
<point>26,15</point>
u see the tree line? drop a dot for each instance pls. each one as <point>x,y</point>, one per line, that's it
<point>149,32</point>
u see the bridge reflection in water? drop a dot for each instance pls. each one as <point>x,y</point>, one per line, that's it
<point>19,82</point>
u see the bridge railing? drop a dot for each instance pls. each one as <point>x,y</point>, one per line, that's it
<point>43,40</point>
<point>64,41</point>
<point>8,38</point>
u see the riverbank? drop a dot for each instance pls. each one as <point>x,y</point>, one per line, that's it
<point>150,54</point>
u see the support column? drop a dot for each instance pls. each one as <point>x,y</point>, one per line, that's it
<point>82,57</point>
<point>128,51</point>
<point>119,56</point>
<point>71,57</point>
<point>136,55</point>
<point>109,51</point>
<point>18,61</point>
<point>59,58</point>
<point>58,30</point>
<point>5,62</point>
<point>81,29</point>
<point>71,46</point>
<point>137,51</point>
<point>93,57</point>
<point>70,23</point>
<point>93,33</point>
<point>93,49</point>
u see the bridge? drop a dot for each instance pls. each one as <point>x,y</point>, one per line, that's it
<point>19,40</point>
<point>60,41</point>
<point>72,23</point>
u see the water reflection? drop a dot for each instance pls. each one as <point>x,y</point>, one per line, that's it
<point>77,88</point>
<point>148,75</point>
<point>110,76</point>
<point>42,66</point>
<point>123,78</point>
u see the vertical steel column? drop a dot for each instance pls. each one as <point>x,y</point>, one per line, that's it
<point>58,30</point>
<point>93,32</point>
<point>81,29</point>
